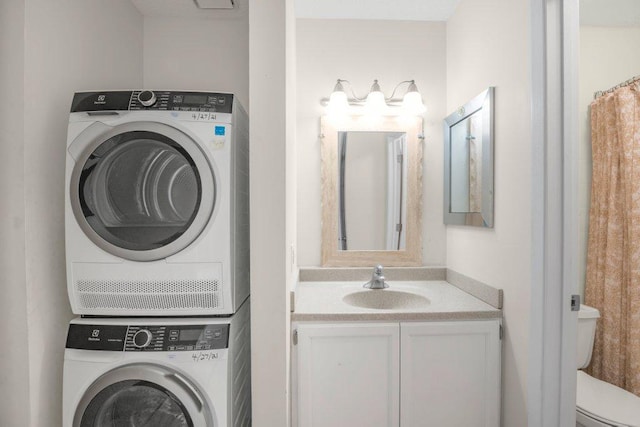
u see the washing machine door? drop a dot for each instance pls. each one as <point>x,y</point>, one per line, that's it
<point>140,395</point>
<point>142,191</point>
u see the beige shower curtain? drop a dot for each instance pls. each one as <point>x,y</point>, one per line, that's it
<point>613,260</point>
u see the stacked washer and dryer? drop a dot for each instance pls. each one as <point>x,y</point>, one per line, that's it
<point>157,257</point>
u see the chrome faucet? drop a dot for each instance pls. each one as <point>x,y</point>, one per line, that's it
<point>377,279</point>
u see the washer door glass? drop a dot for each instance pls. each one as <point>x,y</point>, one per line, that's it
<point>139,190</point>
<point>135,403</point>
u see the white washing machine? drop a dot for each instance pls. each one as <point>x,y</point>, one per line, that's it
<point>157,203</point>
<point>158,372</point>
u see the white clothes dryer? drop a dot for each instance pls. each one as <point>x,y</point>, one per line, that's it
<point>158,372</point>
<point>157,203</point>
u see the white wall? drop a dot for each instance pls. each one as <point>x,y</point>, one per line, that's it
<point>14,366</point>
<point>361,51</point>
<point>488,45</point>
<point>272,93</point>
<point>70,45</point>
<point>608,56</point>
<point>205,54</point>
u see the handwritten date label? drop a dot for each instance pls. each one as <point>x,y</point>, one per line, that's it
<point>203,356</point>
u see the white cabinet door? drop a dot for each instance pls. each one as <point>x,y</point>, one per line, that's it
<point>348,375</point>
<point>450,375</point>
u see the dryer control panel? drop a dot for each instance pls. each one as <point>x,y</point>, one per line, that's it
<point>150,337</point>
<point>136,100</point>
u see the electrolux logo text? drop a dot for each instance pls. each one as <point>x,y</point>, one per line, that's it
<point>95,335</point>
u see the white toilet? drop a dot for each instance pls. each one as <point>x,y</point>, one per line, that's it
<point>600,404</point>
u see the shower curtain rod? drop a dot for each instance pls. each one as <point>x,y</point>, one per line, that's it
<point>623,84</point>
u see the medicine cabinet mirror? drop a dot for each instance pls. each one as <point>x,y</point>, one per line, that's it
<point>468,163</point>
<point>372,191</point>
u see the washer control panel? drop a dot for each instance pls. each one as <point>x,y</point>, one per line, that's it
<point>148,337</point>
<point>155,100</point>
<point>176,337</point>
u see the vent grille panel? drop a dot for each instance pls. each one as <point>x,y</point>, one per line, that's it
<point>149,295</point>
<point>147,286</point>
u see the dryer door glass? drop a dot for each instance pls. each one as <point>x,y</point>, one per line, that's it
<point>139,190</point>
<point>135,403</point>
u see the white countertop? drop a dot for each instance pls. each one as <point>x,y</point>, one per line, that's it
<point>324,301</point>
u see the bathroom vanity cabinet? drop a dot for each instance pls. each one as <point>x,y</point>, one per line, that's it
<point>407,374</point>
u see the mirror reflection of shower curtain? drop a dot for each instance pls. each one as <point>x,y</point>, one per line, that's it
<point>396,194</point>
<point>474,127</point>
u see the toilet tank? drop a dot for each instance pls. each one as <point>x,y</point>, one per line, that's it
<point>587,317</point>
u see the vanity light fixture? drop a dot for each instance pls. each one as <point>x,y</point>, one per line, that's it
<point>375,103</point>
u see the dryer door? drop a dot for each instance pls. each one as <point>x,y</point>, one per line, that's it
<point>142,191</point>
<point>140,395</point>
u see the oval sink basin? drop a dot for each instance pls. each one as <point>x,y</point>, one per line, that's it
<point>385,299</point>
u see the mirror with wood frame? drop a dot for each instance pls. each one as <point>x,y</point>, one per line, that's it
<point>371,191</point>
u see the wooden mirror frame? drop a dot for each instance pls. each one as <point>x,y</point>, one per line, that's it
<point>411,255</point>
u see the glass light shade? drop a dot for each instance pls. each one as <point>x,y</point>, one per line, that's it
<point>338,103</point>
<point>375,103</point>
<point>412,103</point>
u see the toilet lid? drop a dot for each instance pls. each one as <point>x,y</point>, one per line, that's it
<point>606,402</point>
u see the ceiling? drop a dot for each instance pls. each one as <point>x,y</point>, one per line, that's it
<point>610,13</point>
<point>188,9</point>
<point>406,10</point>
<point>607,13</point>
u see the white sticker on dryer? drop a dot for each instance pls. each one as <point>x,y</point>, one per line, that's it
<point>217,143</point>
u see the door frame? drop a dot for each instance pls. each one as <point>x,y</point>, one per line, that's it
<point>552,340</point>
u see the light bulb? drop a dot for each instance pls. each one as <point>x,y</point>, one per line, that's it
<point>375,103</point>
<point>412,101</point>
<point>338,103</point>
